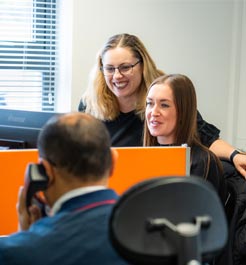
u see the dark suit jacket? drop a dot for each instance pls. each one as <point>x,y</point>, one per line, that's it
<point>76,235</point>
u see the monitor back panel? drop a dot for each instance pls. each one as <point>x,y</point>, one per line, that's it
<point>13,164</point>
<point>136,164</point>
<point>133,165</point>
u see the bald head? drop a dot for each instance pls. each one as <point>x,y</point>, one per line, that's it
<point>74,117</point>
<point>77,143</point>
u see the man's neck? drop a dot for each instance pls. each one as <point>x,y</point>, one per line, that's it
<point>73,193</point>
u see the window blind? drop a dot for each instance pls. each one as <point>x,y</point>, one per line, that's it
<point>28,54</point>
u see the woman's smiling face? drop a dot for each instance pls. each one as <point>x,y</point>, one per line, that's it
<point>161,113</point>
<point>122,84</point>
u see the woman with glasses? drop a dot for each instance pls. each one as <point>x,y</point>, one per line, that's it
<point>117,90</point>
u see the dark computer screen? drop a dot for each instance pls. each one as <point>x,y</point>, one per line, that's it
<point>19,129</point>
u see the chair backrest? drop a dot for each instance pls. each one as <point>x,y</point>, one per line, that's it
<point>172,204</point>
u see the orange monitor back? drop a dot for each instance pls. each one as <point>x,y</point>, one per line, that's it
<point>133,165</point>
<point>136,164</point>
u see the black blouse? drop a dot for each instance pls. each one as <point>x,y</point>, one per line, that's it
<point>127,129</point>
<point>200,165</point>
<point>208,132</point>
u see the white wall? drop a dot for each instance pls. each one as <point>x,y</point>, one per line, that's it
<point>203,39</point>
<point>240,132</point>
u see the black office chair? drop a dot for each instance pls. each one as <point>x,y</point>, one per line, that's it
<point>169,220</point>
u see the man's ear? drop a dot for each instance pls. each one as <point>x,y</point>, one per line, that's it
<point>48,169</point>
<point>115,155</point>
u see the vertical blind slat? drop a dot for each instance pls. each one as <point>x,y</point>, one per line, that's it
<point>28,54</point>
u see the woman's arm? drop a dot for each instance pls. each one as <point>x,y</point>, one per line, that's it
<point>210,136</point>
<point>224,150</point>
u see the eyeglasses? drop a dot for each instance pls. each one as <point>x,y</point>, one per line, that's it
<point>124,69</point>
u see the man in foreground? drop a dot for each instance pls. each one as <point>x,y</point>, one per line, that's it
<point>74,150</point>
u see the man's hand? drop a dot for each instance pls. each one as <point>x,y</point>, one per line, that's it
<point>239,161</point>
<point>26,217</point>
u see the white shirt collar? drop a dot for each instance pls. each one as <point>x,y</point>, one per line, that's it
<point>71,194</point>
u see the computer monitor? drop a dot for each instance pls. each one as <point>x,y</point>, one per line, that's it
<point>19,129</point>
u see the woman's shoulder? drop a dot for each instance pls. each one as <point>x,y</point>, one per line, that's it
<point>201,154</point>
<point>202,150</point>
<point>198,150</point>
<point>208,132</point>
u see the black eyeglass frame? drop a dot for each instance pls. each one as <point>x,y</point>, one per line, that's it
<point>122,65</point>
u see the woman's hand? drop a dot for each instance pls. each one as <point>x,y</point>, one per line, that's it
<point>239,162</point>
<point>224,150</point>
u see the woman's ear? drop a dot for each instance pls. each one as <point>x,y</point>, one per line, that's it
<point>115,155</point>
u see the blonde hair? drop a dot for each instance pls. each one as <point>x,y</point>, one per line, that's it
<point>98,100</point>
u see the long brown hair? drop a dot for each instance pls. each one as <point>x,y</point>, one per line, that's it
<point>186,105</point>
<point>185,101</point>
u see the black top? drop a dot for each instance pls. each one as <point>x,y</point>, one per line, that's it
<point>211,171</point>
<point>127,129</point>
<point>208,132</point>
<point>199,165</point>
